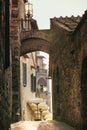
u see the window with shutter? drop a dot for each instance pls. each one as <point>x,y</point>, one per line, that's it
<point>33,83</point>
<point>34,87</point>
<point>24,74</point>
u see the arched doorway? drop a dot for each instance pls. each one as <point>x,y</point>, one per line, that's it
<point>84,92</point>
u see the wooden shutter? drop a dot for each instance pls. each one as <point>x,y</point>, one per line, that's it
<point>34,87</point>
<point>33,83</point>
<point>24,74</point>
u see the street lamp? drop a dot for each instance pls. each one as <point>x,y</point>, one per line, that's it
<point>28,10</point>
<point>28,14</point>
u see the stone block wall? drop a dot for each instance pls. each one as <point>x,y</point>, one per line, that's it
<point>67,51</point>
<point>15,48</point>
<point>5,68</point>
<point>25,90</point>
<point>65,68</point>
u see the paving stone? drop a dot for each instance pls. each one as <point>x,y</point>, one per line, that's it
<point>40,125</point>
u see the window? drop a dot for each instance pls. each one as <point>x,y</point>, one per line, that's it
<point>33,83</point>
<point>24,74</point>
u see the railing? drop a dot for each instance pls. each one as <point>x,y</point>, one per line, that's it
<point>28,24</point>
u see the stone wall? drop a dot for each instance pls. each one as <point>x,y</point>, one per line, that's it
<point>5,67</point>
<point>15,47</point>
<point>25,90</point>
<point>66,66</point>
<point>80,39</point>
<point>67,51</point>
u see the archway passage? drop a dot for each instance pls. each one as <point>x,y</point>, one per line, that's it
<point>35,44</point>
<point>84,92</point>
<point>35,41</point>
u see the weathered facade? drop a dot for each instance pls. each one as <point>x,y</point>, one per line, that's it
<point>66,43</point>
<point>5,67</point>
<point>27,90</point>
<point>18,23</point>
<point>41,75</point>
<point>69,73</point>
<point>15,48</point>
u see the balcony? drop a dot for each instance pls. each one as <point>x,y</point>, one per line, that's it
<point>41,72</point>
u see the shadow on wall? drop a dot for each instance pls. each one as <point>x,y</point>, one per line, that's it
<point>84,92</point>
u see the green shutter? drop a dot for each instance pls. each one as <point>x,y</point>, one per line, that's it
<point>24,74</point>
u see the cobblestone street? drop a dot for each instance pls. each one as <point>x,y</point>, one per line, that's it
<point>40,125</point>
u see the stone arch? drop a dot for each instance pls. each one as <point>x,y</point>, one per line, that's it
<point>35,44</point>
<point>84,91</point>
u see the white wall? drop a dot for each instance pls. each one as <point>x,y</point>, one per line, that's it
<point>26,93</point>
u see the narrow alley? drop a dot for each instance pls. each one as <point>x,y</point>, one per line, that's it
<point>43,92</point>
<point>40,125</point>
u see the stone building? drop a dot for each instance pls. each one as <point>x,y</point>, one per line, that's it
<point>27,62</point>
<point>21,21</point>
<point>69,70</point>
<point>66,43</point>
<point>27,83</point>
<point>5,67</point>
<point>11,15</point>
<point>41,74</point>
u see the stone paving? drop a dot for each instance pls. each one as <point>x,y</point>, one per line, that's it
<point>40,125</point>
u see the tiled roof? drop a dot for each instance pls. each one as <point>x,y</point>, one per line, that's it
<point>67,23</point>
